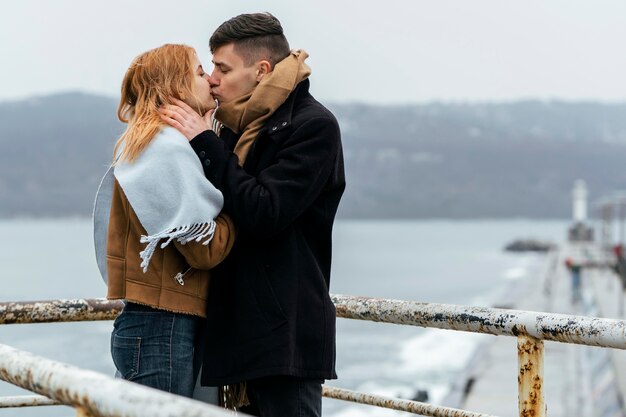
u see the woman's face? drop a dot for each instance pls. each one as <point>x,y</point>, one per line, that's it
<point>202,100</point>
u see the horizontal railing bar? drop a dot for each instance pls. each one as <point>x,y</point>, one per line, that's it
<point>26,401</point>
<point>97,394</point>
<point>414,407</point>
<point>89,309</point>
<point>580,330</point>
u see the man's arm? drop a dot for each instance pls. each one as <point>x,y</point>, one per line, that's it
<point>191,125</point>
<point>265,204</point>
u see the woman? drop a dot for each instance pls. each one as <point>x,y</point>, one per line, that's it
<point>164,229</point>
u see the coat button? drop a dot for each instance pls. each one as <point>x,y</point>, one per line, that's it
<point>274,128</point>
<point>284,124</point>
<point>207,162</point>
<point>202,154</point>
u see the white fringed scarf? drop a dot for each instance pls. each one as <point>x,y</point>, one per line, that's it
<point>168,191</point>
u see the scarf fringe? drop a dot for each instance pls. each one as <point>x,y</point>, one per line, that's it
<point>183,234</point>
<point>233,397</point>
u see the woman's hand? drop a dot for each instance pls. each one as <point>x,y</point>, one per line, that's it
<point>185,119</point>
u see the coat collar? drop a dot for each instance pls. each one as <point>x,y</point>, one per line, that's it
<point>281,119</point>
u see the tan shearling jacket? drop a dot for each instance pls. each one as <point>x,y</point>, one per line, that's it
<point>159,287</point>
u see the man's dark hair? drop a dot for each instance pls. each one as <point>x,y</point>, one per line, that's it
<point>255,36</point>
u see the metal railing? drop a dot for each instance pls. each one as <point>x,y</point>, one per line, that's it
<point>26,401</point>
<point>530,328</point>
<point>92,393</point>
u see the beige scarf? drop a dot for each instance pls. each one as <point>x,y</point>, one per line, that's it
<point>248,113</point>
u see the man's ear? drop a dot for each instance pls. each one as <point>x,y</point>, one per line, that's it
<point>262,69</point>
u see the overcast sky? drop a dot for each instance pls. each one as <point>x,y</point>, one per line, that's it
<point>387,51</point>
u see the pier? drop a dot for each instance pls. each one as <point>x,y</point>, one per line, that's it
<point>579,279</point>
<point>579,381</point>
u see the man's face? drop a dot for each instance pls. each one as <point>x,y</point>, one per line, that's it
<point>230,78</point>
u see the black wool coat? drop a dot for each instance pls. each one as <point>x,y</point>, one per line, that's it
<point>269,310</point>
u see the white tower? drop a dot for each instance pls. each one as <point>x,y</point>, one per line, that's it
<point>579,208</point>
<point>580,232</point>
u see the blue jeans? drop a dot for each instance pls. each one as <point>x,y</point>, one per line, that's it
<point>284,396</point>
<point>155,348</point>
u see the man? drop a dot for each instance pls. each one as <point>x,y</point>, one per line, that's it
<point>278,162</point>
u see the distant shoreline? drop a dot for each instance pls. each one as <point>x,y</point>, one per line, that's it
<point>428,161</point>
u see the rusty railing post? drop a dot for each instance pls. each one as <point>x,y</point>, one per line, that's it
<point>531,400</point>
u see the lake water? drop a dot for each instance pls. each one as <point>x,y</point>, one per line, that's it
<point>453,262</point>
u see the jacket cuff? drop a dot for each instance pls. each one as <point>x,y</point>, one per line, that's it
<point>211,151</point>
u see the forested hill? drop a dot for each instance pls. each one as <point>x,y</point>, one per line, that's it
<point>436,160</point>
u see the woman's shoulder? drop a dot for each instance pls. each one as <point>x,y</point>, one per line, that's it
<point>169,140</point>
<point>172,137</point>
<point>166,147</point>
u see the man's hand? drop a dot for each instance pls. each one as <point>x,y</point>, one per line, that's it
<point>185,119</point>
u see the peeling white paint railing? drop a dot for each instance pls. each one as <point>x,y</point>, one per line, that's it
<point>26,401</point>
<point>415,407</point>
<point>94,394</point>
<point>54,311</point>
<point>531,328</point>
<point>581,330</point>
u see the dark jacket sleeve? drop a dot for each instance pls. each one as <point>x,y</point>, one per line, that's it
<point>265,204</point>
<point>213,154</point>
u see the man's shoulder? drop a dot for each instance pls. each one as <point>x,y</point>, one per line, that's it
<point>309,108</point>
<point>300,109</point>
